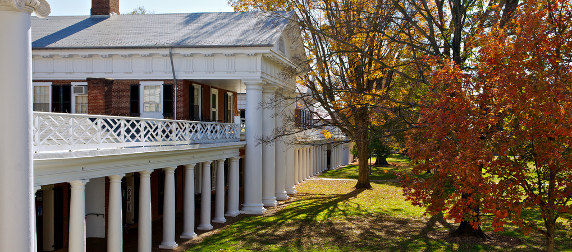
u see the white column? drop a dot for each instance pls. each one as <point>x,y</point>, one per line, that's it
<point>313,160</point>
<point>301,165</point>
<point>269,164</point>
<point>219,210</point>
<point>290,174</point>
<point>308,166</point>
<point>233,188</point>
<point>16,172</point>
<point>114,220</point>
<point>169,210</point>
<point>281,160</point>
<point>296,167</point>
<point>324,158</point>
<point>206,198</point>
<point>189,203</point>
<point>77,216</point>
<point>253,167</point>
<point>144,226</point>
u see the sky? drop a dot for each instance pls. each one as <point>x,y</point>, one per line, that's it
<point>82,7</point>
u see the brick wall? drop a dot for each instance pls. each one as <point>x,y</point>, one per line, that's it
<point>104,7</point>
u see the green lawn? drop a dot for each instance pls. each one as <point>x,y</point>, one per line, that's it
<point>330,215</point>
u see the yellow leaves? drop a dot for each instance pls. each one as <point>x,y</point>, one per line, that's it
<point>326,133</point>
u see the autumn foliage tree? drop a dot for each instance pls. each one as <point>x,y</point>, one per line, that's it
<point>498,135</point>
<point>352,67</point>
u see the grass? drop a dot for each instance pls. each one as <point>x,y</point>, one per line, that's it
<point>330,215</point>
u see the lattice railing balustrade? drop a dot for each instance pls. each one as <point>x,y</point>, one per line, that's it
<point>69,132</point>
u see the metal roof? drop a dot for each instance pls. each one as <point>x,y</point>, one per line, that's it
<point>219,29</point>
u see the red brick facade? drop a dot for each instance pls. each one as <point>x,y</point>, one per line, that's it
<point>104,7</point>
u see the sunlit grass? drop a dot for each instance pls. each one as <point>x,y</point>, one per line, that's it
<point>331,215</point>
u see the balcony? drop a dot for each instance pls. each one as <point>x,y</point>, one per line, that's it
<point>57,132</point>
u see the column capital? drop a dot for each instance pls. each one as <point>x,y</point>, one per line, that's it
<point>255,85</point>
<point>221,160</point>
<point>169,169</point>
<point>234,159</point>
<point>207,163</point>
<point>190,166</point>
<point>116,178</point>
<point>79,183</point>
<point>145,173</point>
<point>40,7</point>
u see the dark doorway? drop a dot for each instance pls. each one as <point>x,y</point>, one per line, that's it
<point>58,218</point>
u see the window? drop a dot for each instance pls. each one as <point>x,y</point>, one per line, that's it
<point>152,98</point>
<point>79,97</point>
<point>195,97</point>
<point>81,104</point>
<point>42,97</point>
<point>214,105</point>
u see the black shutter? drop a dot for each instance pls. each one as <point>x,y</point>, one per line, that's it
<point>167,100</point>
<point>66,99</point>
<point>191,102</point>
<point>56,98</point>
<point>197,107</point>
<point>226,112</point>
<point>134,100</point>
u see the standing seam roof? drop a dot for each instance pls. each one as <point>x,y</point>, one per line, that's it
<point>217,29</point>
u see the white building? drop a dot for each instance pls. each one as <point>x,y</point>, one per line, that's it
<point>98,169</point>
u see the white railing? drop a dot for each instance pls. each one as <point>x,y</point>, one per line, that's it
<point>70,132</point>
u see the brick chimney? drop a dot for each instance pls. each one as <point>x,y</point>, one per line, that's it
<point>104,7</point>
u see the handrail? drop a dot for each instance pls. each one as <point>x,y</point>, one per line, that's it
<point>71,132</point>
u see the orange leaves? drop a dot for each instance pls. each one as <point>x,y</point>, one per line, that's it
<point>499,133</point>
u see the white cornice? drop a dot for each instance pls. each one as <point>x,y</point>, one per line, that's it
<point>40,7</point>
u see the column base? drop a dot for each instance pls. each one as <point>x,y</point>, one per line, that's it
<point>205,227</point>
<point>168,245</point>
<point>282,196</point>
<point>188,236</point>
<point>291,191</point>
<point>232,214</point>
<point>253,209</point>
<point>219,220</point>
<point>270,202</point>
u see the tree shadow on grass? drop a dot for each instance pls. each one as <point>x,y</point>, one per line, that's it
<point>289,228</point>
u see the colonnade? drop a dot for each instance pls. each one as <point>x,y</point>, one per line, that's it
<point>270,165</point>
<point>77,235</point>
<point>311,160</point>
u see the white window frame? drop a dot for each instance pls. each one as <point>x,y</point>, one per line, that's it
<point>230,106</point>
<point>215,93</point>
<point>43,84</point>
<point>75,84</point>
<point>158,115</point>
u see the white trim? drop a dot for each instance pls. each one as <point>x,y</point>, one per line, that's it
<point>214,91</point>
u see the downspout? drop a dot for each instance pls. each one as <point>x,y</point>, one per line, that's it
<point>175,80</point>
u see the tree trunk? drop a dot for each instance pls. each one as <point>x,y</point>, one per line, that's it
<point>363,171</point>
<point>466,229</point>
<point>550,223</point>
<point>380,161</point>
